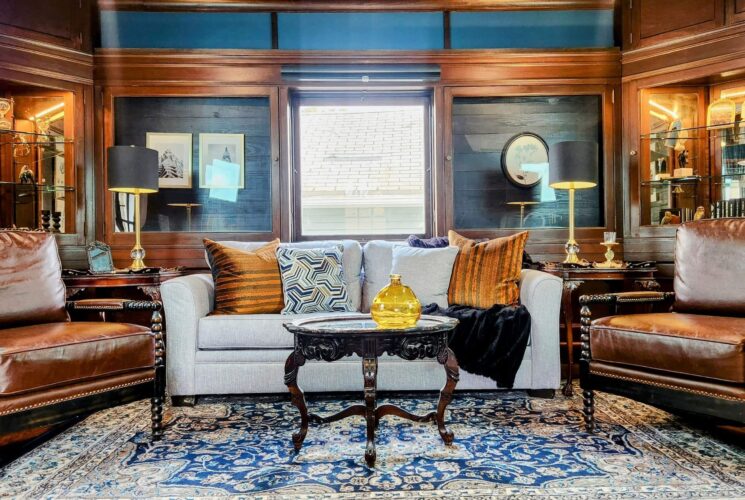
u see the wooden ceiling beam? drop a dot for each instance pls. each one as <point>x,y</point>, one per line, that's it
<point>350,5</point>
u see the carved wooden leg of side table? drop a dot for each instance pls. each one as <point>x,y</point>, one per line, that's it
<point>370,374</point>
<point>294,361</point>
<point>448,360</point>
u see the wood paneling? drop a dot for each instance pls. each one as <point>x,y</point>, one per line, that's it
<point>346,6</point>
<point>735,11</point>
<point>65,23</point>
<point>650,22</point>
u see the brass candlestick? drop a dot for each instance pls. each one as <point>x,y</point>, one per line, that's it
<point>609,262</point>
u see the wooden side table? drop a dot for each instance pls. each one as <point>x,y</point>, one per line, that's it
<point>574,277</point>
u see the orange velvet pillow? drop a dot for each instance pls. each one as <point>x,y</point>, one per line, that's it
<point>486,273</point>
<point>246,282</point>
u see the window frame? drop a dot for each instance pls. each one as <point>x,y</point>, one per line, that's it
<point>299,98</point>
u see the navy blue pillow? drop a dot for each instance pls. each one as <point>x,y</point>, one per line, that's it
<point>434,242</point>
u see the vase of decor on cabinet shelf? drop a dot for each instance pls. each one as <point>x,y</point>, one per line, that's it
<point>396,306</point>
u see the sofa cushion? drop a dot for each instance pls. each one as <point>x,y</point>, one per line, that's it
<point>312,280</point>
<point>377,259</point>
<point>40,356</point>
<point>486,273</point>
<point>255,331</point>
<point>426,271</point>
<point>246,282</point>
<point>709,274</point>
<point>686,344</point>
<point>31,287</point>
<point>351,261</point>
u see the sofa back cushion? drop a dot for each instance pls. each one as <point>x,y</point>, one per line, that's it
<point>426,271</point>
<point>376,262</point>
<point>709,269</point>
<point>486,273</point>
<point>31,287</point>
<point>351,261</point>
<point>246,281</point>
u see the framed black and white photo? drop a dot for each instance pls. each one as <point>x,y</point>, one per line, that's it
<point>221,161</point>
<point>174,158</point>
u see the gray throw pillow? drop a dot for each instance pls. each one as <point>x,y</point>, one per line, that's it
<point>426,271</point>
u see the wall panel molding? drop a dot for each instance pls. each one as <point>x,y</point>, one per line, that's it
<point>350,6</point>
<point>44,59</point>
<point>235,67</point>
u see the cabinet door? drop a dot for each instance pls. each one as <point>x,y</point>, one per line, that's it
<point>61,22</point>
<point>655,21</point>
<point>735,11</point>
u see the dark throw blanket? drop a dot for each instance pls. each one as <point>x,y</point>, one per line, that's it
<point>489,342</point>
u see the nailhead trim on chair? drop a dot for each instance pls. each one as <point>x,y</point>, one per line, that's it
<point>667,386</point>
<point>89,393</point>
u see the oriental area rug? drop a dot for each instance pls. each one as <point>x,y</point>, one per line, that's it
<point>506,445</point>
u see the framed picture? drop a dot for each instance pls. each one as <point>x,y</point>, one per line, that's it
<point>522,157</point>
<point>221,161</point>
<point>99,258</point>
<point>174,158</point>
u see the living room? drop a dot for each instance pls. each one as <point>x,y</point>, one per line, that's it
<point>345,249</point>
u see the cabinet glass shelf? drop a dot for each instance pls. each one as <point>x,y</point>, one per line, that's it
<point>693,178</point>
<point>735,128</point>
<point>44,188</point>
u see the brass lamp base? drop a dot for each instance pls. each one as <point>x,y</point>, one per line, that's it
<point>138,258</point>
<point>572,250</point>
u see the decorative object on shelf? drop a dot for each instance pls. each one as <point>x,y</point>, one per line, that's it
<point>673,132</point>
<point>46,217</point>
<point>174,158</point>
<point>99,258</point>
<point>188,207</point>
<point>573,165</point>
<point>670,218</point>
<point>133,170</point>
<point>728,208</point>
<point>56,221</point>
<point>396,306</point>
<point>22,147</point>
<point>682,172</point>
<point>26,176</point>
<point>220,158</point>
<point>700,213</point>
<point>721,114</point>
<point>609,241</point>
<point>5,106</point>
<point>524,158</point>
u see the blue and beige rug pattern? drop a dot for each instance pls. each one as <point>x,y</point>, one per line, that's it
<point>506,444</point>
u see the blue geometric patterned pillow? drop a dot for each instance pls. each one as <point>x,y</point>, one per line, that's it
<point>313,280</point>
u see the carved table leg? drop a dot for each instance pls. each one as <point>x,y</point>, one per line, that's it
<point>370,374</point>
<point>448,360</point>
<point>159,385</point>
<point>294,361</point>
<point>566,304</point>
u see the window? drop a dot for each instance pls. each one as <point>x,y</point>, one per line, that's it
<point>362,165</point>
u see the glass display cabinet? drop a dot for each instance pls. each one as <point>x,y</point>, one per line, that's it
<point>37,162</point>
<point>692,156</point>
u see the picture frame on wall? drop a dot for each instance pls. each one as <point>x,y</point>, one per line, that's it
<point>221,161</point>
<point>174,158</point>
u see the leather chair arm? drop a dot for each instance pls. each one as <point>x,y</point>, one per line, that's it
<point>113,305</point>
<point>643,297</point>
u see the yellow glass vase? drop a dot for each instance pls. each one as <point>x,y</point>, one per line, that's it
<point>396,306</point>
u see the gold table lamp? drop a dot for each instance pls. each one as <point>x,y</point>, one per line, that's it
<point>573,165</point>
<point>133,170</point>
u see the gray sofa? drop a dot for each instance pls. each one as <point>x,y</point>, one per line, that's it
<point>243,354</point>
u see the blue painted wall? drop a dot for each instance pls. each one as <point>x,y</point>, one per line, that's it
<point>361,31</point>
<point>186,30</point>
<point>532,29</point>
<point>357,31</point>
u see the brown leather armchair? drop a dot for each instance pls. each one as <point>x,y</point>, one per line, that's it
<point>53,369</point>
<point>691,360</point>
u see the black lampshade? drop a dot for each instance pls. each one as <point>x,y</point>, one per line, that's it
<point>132,169</point>
<point>573,165</point>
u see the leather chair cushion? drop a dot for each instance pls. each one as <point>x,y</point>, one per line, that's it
<point>709,271</point>
<point>31,287</point>
<point>53,354</point>
<point>686,344</point>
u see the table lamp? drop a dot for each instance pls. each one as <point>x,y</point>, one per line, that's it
<point>573,165</point>
<point>522,197</point>
<point>133,170</point>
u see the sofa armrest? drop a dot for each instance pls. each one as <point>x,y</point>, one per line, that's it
<point>540,293</point>
<point>186,300</point>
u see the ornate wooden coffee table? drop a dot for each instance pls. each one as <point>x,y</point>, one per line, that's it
<point>332,338</point>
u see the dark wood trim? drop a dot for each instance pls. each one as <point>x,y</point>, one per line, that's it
<point>44,59</point>
<point>275,31</point>
<point>350,6</point>
<point>446,36</point>
<point>115,67</point>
